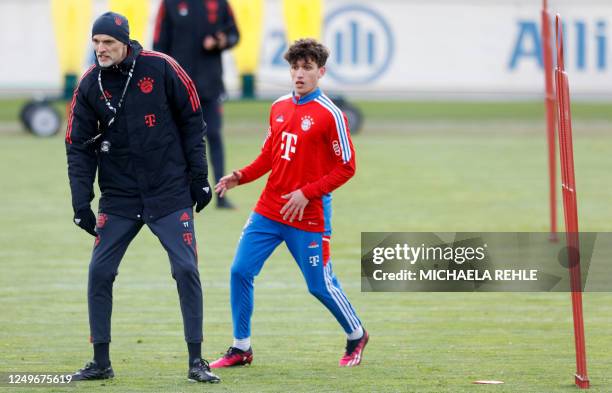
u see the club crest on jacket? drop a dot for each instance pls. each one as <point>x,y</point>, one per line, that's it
<point>146,85</point>
<point>183,8</point>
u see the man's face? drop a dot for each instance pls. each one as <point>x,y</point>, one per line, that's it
<point>305,75</point>
<point>109,50</point>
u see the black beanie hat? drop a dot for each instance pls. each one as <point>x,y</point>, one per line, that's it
<point>113,24</point>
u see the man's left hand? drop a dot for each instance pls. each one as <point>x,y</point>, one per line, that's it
<point>295,206</point>
<point>221,40</point>
<point>209,42</point>
<point>201,194</point>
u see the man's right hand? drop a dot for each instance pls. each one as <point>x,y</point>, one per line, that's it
<point>86,219</point>
<point>228,182</point>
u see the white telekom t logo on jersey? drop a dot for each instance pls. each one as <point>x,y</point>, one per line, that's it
<point>288,142</point>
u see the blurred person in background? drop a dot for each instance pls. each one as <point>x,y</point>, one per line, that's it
<point>136,120</point>
<point>195,33</point>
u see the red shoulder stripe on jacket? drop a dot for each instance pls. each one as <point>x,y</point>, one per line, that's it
<point>191,90</point>
<point>72,105</point>
<point>212,7</point>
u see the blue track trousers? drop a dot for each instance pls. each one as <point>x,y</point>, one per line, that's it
<point>176,233</point>
<point>259,239</point>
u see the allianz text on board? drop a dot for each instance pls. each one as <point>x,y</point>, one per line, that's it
<point>581,35</point>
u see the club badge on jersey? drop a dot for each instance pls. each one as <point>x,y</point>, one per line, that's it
<point>306,123</point>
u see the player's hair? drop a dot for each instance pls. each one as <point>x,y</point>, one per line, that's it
<point>307,49</point>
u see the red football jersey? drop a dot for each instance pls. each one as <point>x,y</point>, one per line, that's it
<point>308,147</point>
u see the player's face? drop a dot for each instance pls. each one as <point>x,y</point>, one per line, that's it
<point>109,51</point>
<point>305,75</point>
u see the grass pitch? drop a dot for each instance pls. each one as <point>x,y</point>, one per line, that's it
<point>421,167</point>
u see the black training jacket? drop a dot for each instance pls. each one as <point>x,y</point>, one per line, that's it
<point>180,30</point>
<point>147,157</point>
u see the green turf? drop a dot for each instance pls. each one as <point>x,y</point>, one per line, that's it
<point>477,111</point>
<point>414,174</point>
<point>397,110</point>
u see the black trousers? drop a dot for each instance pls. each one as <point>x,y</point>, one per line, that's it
<point>213,116</point>
<point>177,235</point>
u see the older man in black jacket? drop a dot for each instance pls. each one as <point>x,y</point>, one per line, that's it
<point>195,33</point>
<point>136,121</point>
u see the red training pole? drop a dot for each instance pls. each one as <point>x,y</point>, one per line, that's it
<point>549,102</point>
<point>570,208</point>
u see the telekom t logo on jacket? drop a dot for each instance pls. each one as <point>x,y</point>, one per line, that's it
<point>288,142</point>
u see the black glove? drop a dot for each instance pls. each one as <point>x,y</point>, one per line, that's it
<point>201,194</point>
<point>86,219</point>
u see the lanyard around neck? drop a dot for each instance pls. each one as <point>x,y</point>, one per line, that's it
<point>120,103</point>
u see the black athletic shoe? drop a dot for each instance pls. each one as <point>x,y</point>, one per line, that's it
<point>224,203</point>
<point>92,371</point>
<point>200,372</point>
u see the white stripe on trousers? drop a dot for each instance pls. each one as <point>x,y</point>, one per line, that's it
<point>340,300</point>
